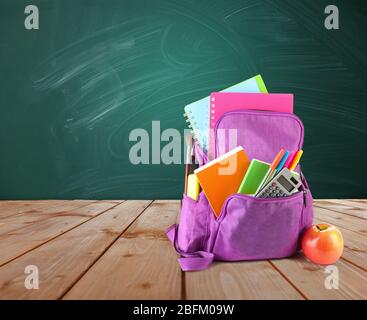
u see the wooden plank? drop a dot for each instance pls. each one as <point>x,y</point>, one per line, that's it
<point>132,269</point>
<point>22,240</point>
<point>155,220</point>
<point>345,207</point>
<point>355,247</point>
<point>20,203</point>
<point>140,265</point>
<point>8,208</point>
<point>352,203</point>
<point>62,261</point>
<point>361,203</point>
<point>341,220</point>
<point>11,208</point>
<point>241,280</point>
<point>35,215</point>
<point>310,279</point>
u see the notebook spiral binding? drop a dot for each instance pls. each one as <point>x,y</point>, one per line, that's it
<point>192,125</point>
<point>194,130</point>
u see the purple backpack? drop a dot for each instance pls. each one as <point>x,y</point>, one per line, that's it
<point>247,228</point>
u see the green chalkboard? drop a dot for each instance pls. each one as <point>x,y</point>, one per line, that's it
<point>73,90</point>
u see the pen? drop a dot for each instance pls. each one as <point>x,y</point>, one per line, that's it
<point>281,163</point>
<point>273,166</point>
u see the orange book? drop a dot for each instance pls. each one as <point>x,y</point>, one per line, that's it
<point>221,177</point>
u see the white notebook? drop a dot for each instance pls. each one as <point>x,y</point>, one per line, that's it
<point>197,113</point>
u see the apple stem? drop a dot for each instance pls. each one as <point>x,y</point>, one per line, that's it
<point>321,228</point>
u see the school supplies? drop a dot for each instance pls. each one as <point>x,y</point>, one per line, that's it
<point>246,225</point>
<point>221,177</point>
<point>193,187</point>
<point>284,184</point>
<point>294,163</point>
<point>289,159</point>
<point>273,166</point>
<point>279,167</point>
<point>255,175</point>
<point>282,162</point>
<point>197,113</point>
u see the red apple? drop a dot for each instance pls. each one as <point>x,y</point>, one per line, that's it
<point>323,243</point>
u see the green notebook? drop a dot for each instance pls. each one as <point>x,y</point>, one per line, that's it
<point>256,173</point>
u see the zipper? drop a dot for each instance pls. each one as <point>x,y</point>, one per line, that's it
<point>259,113</point>
<point>304,191</point>
<point>262,200</point>
<point>304,186</point>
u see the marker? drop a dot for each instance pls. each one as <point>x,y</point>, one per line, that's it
<point>281,163</point>
<point>296,160</point>
<point>279,166</point>
<point>289,159</point>
<point>277,159</point>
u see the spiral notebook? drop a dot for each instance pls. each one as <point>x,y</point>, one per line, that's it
<point>223,102</point>
<point>197,113</point>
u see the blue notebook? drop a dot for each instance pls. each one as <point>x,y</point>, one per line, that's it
<point>197,113</point>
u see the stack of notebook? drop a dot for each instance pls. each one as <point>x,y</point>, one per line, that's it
<point>203,115</point>
<point>198,113</point>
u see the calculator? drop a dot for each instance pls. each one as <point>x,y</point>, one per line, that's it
<point>284,184</point>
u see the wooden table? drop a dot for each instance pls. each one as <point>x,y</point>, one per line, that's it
<point>118,250</point>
